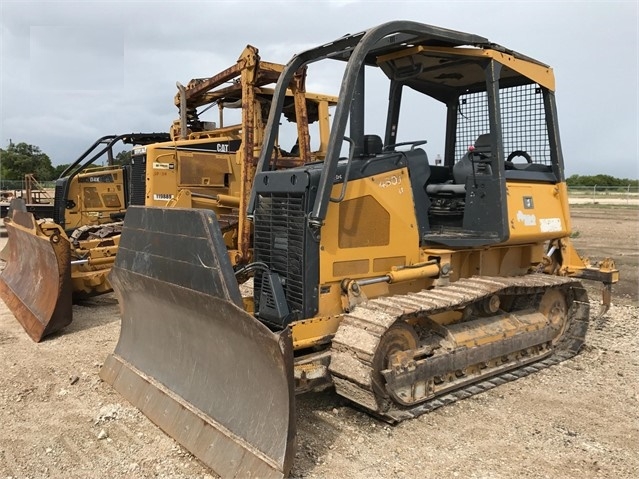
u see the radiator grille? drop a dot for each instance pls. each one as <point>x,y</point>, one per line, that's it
<point>137,187</point>
<point>59,201</point>
<point>279,242</point>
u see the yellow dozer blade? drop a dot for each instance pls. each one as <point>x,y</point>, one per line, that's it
<point>189,357</point>
<point>36,282</point>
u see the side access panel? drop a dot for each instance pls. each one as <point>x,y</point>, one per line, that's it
<point>205,371</point>
<point>36,282</point>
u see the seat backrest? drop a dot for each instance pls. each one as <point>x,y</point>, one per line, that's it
<point>372,145</point>
<point>464,167</point>
<point>482,143</point>
<point>419,171</point>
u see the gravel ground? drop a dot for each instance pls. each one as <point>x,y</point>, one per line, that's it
<point>577,419</point>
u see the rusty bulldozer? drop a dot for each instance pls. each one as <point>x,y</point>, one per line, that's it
<point>403,284</point>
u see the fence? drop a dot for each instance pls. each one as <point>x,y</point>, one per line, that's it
<point>30,191</point>
<point>18,185</point>
<point>605,194</point>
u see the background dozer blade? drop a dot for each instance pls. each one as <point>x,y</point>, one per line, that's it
<point>189,357</point>
<point>17,204</point>
<point>36,282</point>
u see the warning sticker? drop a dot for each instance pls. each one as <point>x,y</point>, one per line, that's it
<point>549,225</point>
<point>163,166</point>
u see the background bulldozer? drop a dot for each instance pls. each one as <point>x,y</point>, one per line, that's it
<point>403,283</point>
<point>200,164</point>
<point>211,165</point>
<point>51,259</point>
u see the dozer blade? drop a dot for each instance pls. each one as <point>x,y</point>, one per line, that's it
<point>16,204</point>
<point>189,357</point>
<point>36,282</point>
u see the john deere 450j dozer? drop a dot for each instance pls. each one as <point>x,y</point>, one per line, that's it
<point>200,164</point>
<point>404,284</point>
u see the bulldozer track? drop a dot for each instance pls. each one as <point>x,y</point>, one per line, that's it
<point>354,345</point>
<point>103,231</point>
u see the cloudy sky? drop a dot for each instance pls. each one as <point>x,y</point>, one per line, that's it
<point>71,72</point>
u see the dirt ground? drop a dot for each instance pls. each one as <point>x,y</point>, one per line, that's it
<point>579,419</point>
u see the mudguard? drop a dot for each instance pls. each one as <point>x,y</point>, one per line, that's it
<point>189,357</point>
<point>36,282</point>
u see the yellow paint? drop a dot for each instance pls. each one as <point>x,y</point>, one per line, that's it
<point>493,330</point>
<point>392,195</point>
<point>94,201</point>
<point>309,332</point>
<point>537,72</point>
<point>536,212</point>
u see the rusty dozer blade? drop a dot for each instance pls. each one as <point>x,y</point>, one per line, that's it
<point>36,282</point>
<point>189,357</point>
<point>16,204</point>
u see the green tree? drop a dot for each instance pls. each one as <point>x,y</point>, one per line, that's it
<point>122,158</point>
<point>599,180</point>
<point>59,169</point>
<point>22,158</point>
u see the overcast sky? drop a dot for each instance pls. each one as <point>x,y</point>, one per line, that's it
<point>71,72</point>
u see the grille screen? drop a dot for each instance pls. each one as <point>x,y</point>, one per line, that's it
<point>137,186</point>
<point>279,242</point>
<point>59,201</point>
<point>203,169</point>
<point>523,121</point>
<point>354,229</point>
<point>91,197</point>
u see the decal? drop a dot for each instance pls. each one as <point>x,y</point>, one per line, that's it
<point>163,166</point>
<point>96,179</point>
<point>390,181</point>
<point>527,220</point>
<point>162,196</point>
<point>226,146</point>
<point>548,225</point>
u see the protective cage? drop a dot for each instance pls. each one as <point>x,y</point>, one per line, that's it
<point>523,121</point>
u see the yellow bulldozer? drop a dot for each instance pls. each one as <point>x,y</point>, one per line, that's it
<point>403,283</point>
<point>199,164</point>
<point>55,251</point>
<point>211,165</point>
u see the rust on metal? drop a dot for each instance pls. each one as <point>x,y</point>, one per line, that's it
<point>41,302</point>
<point>16,204</point>
<point>198,91</point>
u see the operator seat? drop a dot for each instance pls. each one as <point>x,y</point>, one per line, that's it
<point>464,168</point>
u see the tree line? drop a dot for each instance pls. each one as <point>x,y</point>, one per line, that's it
<point>19,159</point>
<point>599,180</point>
